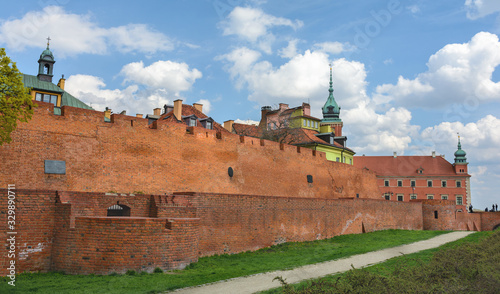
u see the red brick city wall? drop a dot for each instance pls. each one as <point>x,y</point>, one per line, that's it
<point>128,156</point>
<point>439,215</point>
<point>236,223</point>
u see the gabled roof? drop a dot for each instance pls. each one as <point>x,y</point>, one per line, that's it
<point>66,98</point>
<point>247,130</point>
<point>406,166</point>
<point>189,110</point>
<point>306,136</point>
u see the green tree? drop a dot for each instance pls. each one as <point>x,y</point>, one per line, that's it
<point>15,101</point>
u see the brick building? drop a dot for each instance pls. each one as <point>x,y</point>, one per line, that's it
<point>297,127</point>
<point>405,178</point>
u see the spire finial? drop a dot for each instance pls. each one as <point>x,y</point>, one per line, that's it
<point>331,82</point>
<point>48,41</point>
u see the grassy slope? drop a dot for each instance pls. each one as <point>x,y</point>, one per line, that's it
<point>407,262</point>
<point>215,268</point>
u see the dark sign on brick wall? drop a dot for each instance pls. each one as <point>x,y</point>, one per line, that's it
<point>55,167</point>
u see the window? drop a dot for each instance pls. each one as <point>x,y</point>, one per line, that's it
<point>443,183</point>
<point>459,200</point>
<point>350,160</point>
<point>118,210</point>
<point>192,122</point>
<point>429,183</point>
<point>444,197</point>
<point>435,214</point>
<point>304,122</point>
<point>459,184</point>
<point>413,196</point>
<point>400,197</point>
<point>430,197</point>
<point>386,183</point>
<point>400,183</point>
<point>208,125</point>
<point>387,196</point>
<point>316,125</point>
<point>269,126</point>
<point>338,159</point>
<point>46,98</point>
<point>412,183</point>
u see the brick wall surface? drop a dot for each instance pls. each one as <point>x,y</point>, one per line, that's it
<point>236,223</point>
<point>127,156</point>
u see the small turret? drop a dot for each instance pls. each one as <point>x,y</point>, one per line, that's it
<point>46,64</point>
<point>460,159</point>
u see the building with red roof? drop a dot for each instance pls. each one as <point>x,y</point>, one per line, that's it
<point>405,178</point>
<point>296,126</point>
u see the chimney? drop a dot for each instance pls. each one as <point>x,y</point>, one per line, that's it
<point>283,106</point>
<point>61,82</point>
<point>433,154</point>
<point>198,106</point>
<point>395,154</point>
<point>157,111</point>
<point>263,117</point>
<point>178,109</point>
<point>139,115</point>
<point>306,108</point>
<point>228,125</point>
<point>107,113</point>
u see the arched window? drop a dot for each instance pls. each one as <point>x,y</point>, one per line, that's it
<point>118,210</point>
<point>46,69</point>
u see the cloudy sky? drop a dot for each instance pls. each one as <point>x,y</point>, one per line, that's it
<point>409,75</point>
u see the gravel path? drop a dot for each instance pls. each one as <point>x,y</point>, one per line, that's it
<point>261,282</point>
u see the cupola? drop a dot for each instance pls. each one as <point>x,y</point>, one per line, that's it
<point>46,64</point>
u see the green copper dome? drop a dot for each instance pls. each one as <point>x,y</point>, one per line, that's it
<point>460,154</point>
<point>46,54</point>
<point>331,110</point>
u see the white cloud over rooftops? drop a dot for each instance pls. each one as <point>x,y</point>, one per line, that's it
<point>75,34</point>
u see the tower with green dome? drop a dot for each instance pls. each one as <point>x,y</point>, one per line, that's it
<point>460,159</point>
<point>46,65</point>
<point>331,112</point>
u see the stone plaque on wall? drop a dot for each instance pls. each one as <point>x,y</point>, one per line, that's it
<point>55,167</point>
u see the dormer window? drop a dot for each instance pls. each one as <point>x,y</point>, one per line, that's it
<point>207,123</point>
<point>192,122</point>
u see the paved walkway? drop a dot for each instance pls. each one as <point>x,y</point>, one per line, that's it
<point>261,282</point>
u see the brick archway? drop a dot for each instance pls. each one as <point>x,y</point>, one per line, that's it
<point>118,210</point>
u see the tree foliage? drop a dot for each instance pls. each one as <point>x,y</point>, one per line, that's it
<point>15,101</point>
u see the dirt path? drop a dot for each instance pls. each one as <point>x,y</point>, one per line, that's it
<point>261,282</point>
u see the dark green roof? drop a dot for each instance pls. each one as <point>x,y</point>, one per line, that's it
<point>66,98</point>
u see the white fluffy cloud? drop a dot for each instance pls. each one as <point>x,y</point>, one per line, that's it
<point>164,74</point>
<point>75,34</point>
<point>150,87</point>
<point>480,139</point>
<point>480,8</point>
<point>456,73</point>
<point>207,106</point>
<point>333,48</point>
<point>253,25</point>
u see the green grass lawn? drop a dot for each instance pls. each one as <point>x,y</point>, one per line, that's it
<point>220,267</point>
<point>433,267</point>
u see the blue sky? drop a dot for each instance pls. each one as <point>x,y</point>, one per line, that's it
<point>409,75</point>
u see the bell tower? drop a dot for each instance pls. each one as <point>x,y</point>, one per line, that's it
<point>331,111</point>
<point>460,159</point>
<point>46,64</point>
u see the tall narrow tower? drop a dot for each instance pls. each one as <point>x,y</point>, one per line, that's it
<point>46,64</point>
<point>460,159</point>
<point>331,111</point>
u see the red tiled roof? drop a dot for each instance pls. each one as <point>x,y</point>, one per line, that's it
<point>188,110</point>
<point>247,130</point>
<point>306,136</point>
<point>406,166</point>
